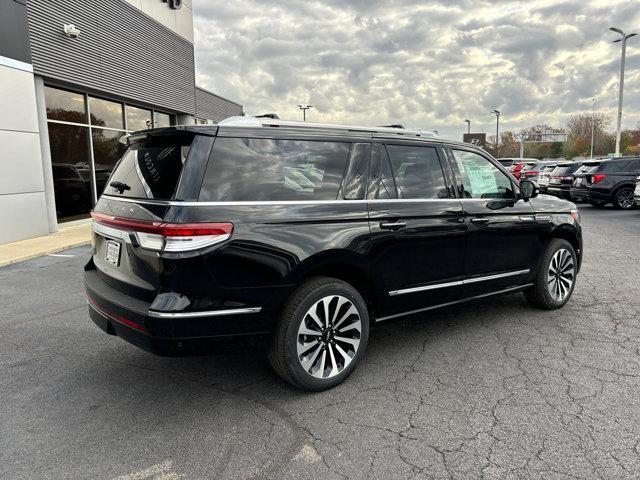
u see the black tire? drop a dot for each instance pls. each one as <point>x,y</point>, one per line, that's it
<point>597,204</point>
<point>283,351</point>
<point>623,199</point>
<point>539,295</point>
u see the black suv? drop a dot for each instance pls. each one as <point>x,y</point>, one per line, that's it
<point>310,235</point>
<point>610,181</point>
<point>561,179</point>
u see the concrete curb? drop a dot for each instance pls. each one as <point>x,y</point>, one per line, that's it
<point>68,237</point>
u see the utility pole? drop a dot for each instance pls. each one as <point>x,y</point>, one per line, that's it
<point>304,109</point>
<point>468,122</point>
<point>593,124</point>
<point>497,114</point>
<point>623,38</point>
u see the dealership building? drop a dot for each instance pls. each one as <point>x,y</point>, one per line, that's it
<point>75,76</point>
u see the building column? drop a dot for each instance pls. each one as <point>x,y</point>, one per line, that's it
<point>45,150</point>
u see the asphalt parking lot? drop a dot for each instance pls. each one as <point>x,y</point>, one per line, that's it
<point>491,390</point>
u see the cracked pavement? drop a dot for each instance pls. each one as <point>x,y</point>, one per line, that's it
<point>491,390</point>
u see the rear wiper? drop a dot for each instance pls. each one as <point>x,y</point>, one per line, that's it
<point>120,186</point>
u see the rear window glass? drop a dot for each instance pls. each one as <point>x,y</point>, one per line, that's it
<point>256,169</point>
<point>150,169</point>
<point>618,166</point>
<point>566,169</point>
<point>588,168</point>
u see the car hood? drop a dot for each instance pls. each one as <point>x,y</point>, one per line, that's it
<point>549,203</point>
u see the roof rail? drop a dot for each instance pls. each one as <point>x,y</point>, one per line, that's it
<point>266,121</point>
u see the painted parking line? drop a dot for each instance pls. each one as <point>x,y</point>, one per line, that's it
<point>159,471</point>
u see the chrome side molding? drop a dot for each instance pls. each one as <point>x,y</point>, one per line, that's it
<point>205,313</point>
<point>458,283</point>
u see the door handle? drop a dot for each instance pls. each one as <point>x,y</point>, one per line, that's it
<point>392,225</point>
<point>479,221</point>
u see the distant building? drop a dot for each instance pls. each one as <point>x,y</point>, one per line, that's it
<point>75,76</point>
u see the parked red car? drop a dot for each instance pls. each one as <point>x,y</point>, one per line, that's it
<point>517,167</point>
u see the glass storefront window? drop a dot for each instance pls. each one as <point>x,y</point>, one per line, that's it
<point>71,163</point>
<point>162,120</point>
<point>105,113</point>
<point>138,118</point>
<point>107,150</point>
<point>65,106</point>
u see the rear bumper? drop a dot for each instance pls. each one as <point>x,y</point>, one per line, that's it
<point>165,333</point>
<point>579,194</point>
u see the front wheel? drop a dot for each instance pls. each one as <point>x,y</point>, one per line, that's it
<point>624,199</point>
<point>321,335</point>
<point>556,276</point>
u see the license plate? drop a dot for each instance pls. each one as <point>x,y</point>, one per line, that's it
<point>578,182</point>
<point>637,192</point>
<point>113,252</point>
<point>554,180</point>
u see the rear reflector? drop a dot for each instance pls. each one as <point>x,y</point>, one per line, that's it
<point>597,177</point>
<point>170,237</point>
<point>114,316</point>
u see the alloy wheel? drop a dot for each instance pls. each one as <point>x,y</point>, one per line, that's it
<point>329,336</point>
<point>625,199</point>
<point>561,274</point>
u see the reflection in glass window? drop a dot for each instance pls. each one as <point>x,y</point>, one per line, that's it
<point>138,118</point>
<point>71,168</point>
<point>381,185</point>
<point>64,105</point>
<point>417,172</point>
<point>105,113</point>
<point>161,120</point>
<point>263,169</point>
<point>480,178</point>
<point>151,169</point>
<point>107,150</point>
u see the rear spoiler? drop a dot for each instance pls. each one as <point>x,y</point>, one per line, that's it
<point>141,135</point>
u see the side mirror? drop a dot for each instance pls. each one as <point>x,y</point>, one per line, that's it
<point>528,189</point>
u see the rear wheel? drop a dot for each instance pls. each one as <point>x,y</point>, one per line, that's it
<point>624,199</point>
<point>556,276</point>
<point>321,335</point>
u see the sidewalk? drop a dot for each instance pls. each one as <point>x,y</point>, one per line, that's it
<point>71,235</point>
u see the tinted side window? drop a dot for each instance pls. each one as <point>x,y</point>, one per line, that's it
<point>256,169</point>
<point>381,183</point>
<point>417,172</point>
<point>616,166</point>
<point>480,178</point>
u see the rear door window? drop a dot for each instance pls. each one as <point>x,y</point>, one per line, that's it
<point>381,183</point>
<point>258,169</point>
<point>150,169</point>
<point>417,171</point>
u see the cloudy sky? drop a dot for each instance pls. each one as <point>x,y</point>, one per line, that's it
<point>424,64</point>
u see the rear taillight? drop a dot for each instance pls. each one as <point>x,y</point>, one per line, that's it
<point>168,237</point>
<point>597,177</point>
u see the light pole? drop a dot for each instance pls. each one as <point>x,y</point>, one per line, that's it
<point>623,38</point>
<point>497,114</point>
<point>304,109</point>
<point>593,125</point>
<point>468,122</point>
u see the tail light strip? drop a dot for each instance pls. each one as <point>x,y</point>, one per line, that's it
<point>161,236</point>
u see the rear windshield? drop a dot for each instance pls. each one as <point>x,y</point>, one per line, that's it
<point>150,169</point>
<point>566,169</point>
<point>258,169</point>
<point>588,167</point>
<point>529,166</point>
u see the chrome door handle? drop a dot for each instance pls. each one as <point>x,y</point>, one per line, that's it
<point>479,221</point>
<point>392,225</point>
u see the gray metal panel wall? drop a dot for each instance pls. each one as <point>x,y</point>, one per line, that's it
<point>212,107</point>
<point>120,51</point>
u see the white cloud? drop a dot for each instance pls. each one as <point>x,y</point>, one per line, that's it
<point>423,64</point>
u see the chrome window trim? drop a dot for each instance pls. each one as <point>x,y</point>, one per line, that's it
<point>110,232</point>
<point>465,281</point>
<point>455,302</point>
<point>206,313</point>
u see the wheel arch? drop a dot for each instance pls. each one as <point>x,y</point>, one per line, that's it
<point>571,235</point>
